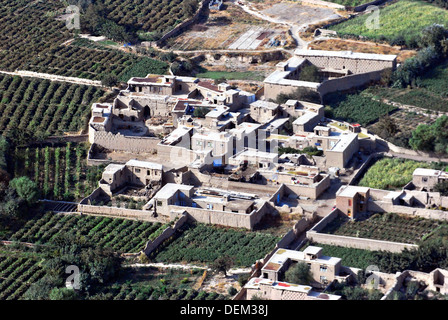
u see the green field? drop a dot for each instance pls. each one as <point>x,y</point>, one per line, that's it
<point>228,75</point>
<point>149,283</point>
<point>431,92</point>
<point>17,272</point>
<point>200,243</point>
<point>390,173</point>
<point>45,106</point>
<point>119,234</point>
<point>357,107</point>
<point>404,18</point>
<point>384,226</point>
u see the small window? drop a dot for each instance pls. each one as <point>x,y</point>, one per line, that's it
<point>209,144</point>
<point>323,268</point>
<point>425,179</point>
<point>137,170</point>
<point>158,203</point>
<point>148,172</point>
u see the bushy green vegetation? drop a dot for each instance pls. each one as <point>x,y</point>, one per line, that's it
<point>391,173</point>
<point>384,226</point>
<point>118,234</point>
<point>310,151</point>
<point>204,244</point>
<point>18,271</point>
<point>60,172</point>
<point>358,108</point>
<point>432,138</point>
<point>149,283</point>
<point>234,75</point>
<point>32,40</point>
<point>44,107</point>
<point>148,15</point>
<point>400,22</point>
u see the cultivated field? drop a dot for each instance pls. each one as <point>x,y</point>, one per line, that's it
<point>404,18</point>
<point>45,106</point>
<point>391,173</point>
<point>38,45</point>
<point>203,244</point>
<point>431,92</point>
<point>122,235</point>
<point>384,226</point>
<point>356,108</point>
<point>61,172</point>
<point>150,15</point>
<point>149,283</point>
<point>17,273</point>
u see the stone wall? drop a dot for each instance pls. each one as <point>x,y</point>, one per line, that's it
<point>382,206</point>
<point>175,155</point>
<point>166,234</point>
<point>120,142</point>
<point>358,243</point>
<point>115,212</point>
<point>348,82</point>
<point>225,218</point>
<point>352,242</point>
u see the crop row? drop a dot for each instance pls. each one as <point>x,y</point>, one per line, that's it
<point>16,275</point>
<point>122,235</point>
<point>60,172</point>
<point>204,243</point>
<point>44,106</point>
<point>388,227</point>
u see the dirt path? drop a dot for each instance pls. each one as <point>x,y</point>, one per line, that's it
<point>53,77</point>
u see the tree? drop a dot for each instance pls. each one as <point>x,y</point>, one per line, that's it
<point>299,274</point>
<point>386,127</point>
<point>310,73</point>
<point>433,35</point>
<point>302,94</point>
<point>109,80</point>
<point>200,112</point>
<point>63,294</point>
<point>26,189</point>
<point>442,187</point>
<point>222,264</point>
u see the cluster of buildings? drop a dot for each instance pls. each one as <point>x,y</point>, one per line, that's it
<point>216,160</point>
<point>338,71</point>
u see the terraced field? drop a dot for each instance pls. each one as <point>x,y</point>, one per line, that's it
<point>17,274</point>
<point>119,234</point>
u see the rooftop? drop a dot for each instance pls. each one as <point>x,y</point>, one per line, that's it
<point>170,189</point>
<point>350,191</point>
<point>305,118</point>
<point>144,164</point>
<point>345,54</point>
<point>264,104</point>
<point>112,168</point>
<point>344,141</point>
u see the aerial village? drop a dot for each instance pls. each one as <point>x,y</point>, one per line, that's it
<point>224,168</point>
<point>132,155</point>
